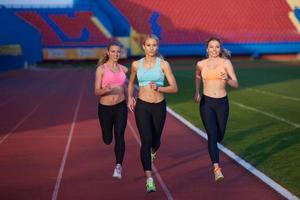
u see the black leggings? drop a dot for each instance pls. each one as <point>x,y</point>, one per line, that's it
<point>150,119</point>
<point>214,114</point>
<point>110,117</point>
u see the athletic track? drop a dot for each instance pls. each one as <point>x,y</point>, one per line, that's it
<point>51,148</point>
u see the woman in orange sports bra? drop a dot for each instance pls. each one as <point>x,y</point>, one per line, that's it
<point>216,71</point>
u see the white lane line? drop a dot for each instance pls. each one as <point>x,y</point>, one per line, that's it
<point>63,162</point>
<point>23,120</point>
<point>159,178</point>
<point>273,94</point>
<point>12,97</point>
<point>26,117</point>
<point>284,192</point>
<point>266,113</point>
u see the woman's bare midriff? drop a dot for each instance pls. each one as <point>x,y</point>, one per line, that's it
<point>214,88</point>
<point>149,95</point>
<point>115,97</point>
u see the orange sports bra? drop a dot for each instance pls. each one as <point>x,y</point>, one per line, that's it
<point>212,74</point>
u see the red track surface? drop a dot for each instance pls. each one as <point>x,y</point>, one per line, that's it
<point>37,122</point>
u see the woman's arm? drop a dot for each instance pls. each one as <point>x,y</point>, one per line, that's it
<point>131,101</point>
<point>125,70</point>
<point>231,76</point>
<point>197,96</point>
<point>172,87</point>
<point>99,91</point>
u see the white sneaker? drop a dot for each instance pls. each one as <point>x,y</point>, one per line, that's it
<point>117,172</point>
<point>218,174</point>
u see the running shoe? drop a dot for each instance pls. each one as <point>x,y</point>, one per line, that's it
<point>150,185</point>
<point>117,172</point>
<point>218,174</point>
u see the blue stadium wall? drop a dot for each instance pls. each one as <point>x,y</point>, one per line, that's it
<point>251,49</point>
<point>26,46</point>
<point>19,43</point>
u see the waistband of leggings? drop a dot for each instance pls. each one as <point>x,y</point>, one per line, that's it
<point>213,98</point>
<point>150,103</point>
<point>115,105</point>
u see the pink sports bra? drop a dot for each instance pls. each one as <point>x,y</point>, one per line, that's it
<point>113,78</point>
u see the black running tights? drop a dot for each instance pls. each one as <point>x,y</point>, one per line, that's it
<point>214,114</point>
<point>113,119</point>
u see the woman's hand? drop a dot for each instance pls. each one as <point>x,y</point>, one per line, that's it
<point>107,89</point>
<point>197,97</point>
<point>224,76</point>
<point>153,86</point>
<point>131,103</point>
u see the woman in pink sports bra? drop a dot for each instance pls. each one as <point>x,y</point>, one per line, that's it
<point>112,108</point>
<point>216,71</point>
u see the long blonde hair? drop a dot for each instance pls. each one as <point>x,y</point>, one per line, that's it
<point>105,57</point>
<point>224,53</point>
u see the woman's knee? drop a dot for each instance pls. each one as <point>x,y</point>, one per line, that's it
<point>220,135</point>
<point>107,141</point>
<point>220,138</point>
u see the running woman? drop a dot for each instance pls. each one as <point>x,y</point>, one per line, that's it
<point>112,108</point>
<point>150,107</point>
<point>216,71</point>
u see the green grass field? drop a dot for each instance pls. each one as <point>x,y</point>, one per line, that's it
<point>264,122</point>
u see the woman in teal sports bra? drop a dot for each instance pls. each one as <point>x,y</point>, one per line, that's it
<point>150,107</point>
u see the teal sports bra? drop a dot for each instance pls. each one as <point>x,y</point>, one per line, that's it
<point>154,74</point>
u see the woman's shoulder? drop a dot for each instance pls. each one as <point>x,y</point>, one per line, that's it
<point>124,68</point>
<point>100,68</point>
<point>226,61</point>
<point>164,64</point>
<point>136,62</point>
<point>163,61</point>
<point>200,63</point>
